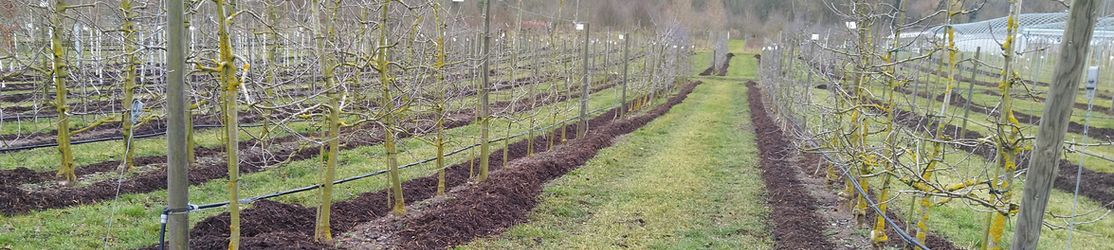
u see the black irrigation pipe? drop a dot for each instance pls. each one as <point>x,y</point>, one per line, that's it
<point>355,178</point>
<point>112,138</point>
<point>858,189</point>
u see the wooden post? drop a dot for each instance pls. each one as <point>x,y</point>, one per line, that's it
<point>1054,123</point>
<point>178,224</point>
<point>971,87</point>
<point>485,123</point>
<point>626,67</point>
<point>583,128</point>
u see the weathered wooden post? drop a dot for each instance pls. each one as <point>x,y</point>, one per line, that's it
<point>177,219</point>
<point>1054,123</point>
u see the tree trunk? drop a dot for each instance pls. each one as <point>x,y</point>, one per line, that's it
<point>129,74</point>
<point>398,204</point>
<point>323,33</point>
<point>231,121</point>
<point>58,76</point>
<point>485,113</point>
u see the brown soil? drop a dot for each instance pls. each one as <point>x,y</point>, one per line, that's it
<point>843,223</point>
<point>793,217</point>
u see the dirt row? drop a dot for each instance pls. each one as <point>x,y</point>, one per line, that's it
<point>271,224</point>
<point>212,165</point>
<point>794,221</point>
<point>722,71</point>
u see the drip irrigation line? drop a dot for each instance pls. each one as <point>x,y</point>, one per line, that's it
<point>846,172</point>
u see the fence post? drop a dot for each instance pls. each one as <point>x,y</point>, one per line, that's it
<point>583,128</point>
<point>1053,125</point>
<point>177,160</point>
<point>626,66</point>
<point>971,87</point>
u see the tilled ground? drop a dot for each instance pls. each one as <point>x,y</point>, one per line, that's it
<point>793,216</point>
<point>797,223</point>
<point>489,208</point>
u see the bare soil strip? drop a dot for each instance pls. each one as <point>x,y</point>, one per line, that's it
<point>800,224</point>
<point>489,208</point>
<point>793,212</point>
<point>15,200</point>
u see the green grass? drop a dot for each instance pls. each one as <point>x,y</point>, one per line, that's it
<point>687,180</point>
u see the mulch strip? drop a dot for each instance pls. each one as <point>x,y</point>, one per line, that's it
<point>799,226</point>
<point>796,224</point>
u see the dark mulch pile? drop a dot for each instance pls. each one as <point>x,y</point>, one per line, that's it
<point>726,64</point>
<point>796,224</point>
<point>506,199</point>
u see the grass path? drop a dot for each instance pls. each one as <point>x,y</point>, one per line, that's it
<point>687,180</point>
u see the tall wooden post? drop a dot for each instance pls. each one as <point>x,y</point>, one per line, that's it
<point>485,123</point>
<point>971,87</point>
<point>583,128</point>
<point>177,159</point>
<point>626,68</point>
<point>1054,123</point>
